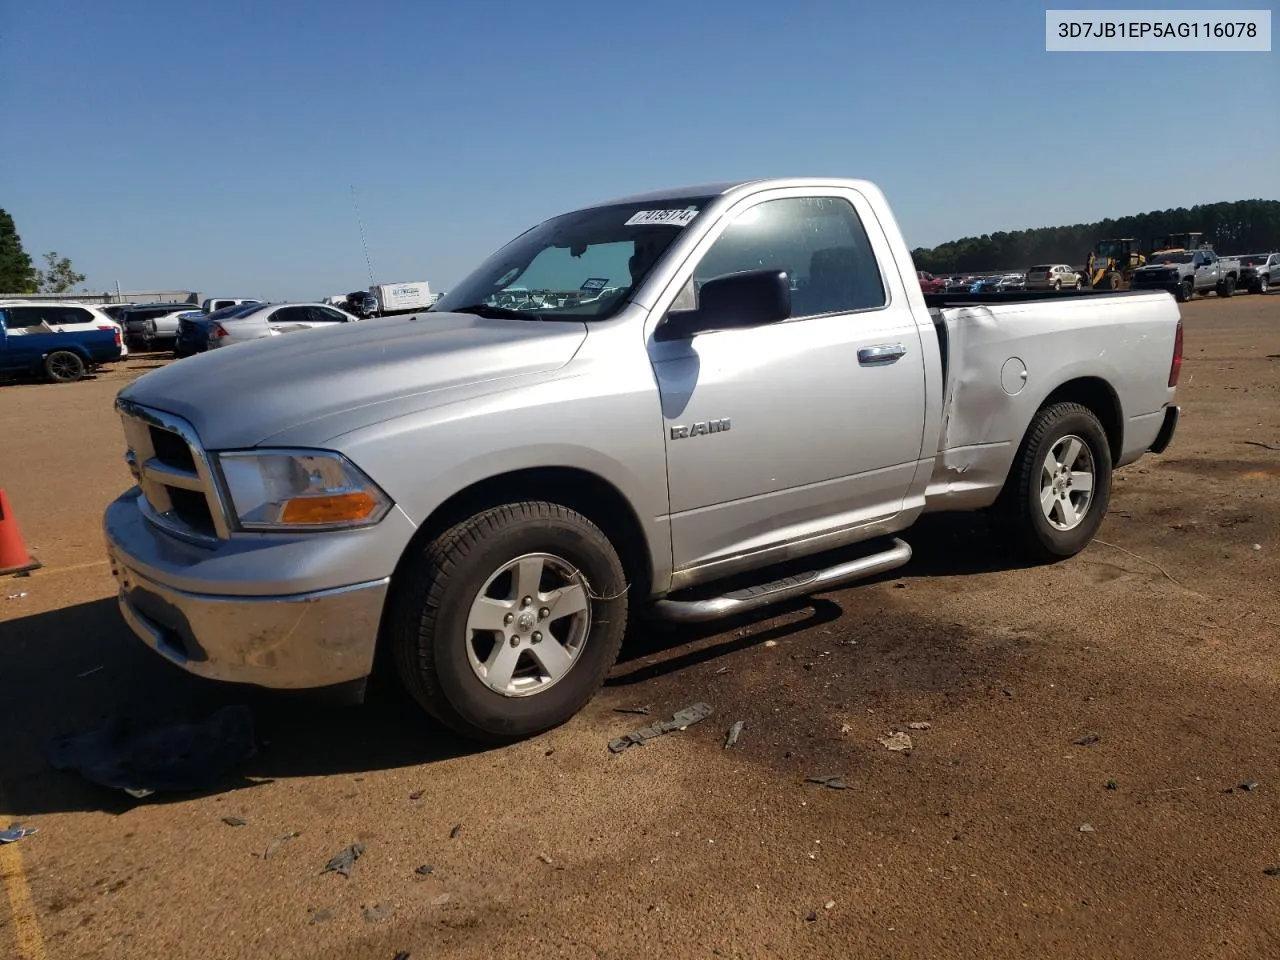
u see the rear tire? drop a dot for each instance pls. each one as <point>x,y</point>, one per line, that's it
<point>1227,287</point>
<point>63,366</point>
<point>506,679</point>
<point>1059,486</point>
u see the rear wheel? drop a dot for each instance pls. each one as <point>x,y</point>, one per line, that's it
<point>63,366</point>
<point>1227,287</point>
<point>1058,489</point>
<point>506,624</point>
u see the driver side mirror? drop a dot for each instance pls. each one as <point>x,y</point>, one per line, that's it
<point>754,298</point>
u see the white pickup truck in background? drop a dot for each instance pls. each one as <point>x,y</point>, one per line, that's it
<point>722,380</point>
<point>402,297</point>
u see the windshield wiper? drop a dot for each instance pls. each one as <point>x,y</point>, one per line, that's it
<point>496,313</point>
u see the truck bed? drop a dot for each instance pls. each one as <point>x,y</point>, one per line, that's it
<point>998,353</point>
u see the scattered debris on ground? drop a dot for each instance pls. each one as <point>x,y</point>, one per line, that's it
<point>1272,871</point>
<point>323,915</point>
<point>234,821</point>
<point>1249,785</point>
<point>833,781</point>
<point>920,725</point>
<point>279,842</point>
<point>679,721</point>
<point>735,731</point>
<point>1087,828</point>
<point>1087,740</point>
<point>16,596</point>
<point>378,912</point>
<point>642,711</point>
<point>16,832</point>
<point>142,757</point>
<point>898,741</point>
<point>456,829</point>
<point>425,870</point>
<point>416,795</point>
<point>812,917</point>
<point>771,643</point>
<point>344,861</point>
<point>1112,785</point>
<point>829,905</point>
<point>545,859</point>
<point>440,900</point>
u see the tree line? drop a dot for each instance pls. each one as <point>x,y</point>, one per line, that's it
<point>19,275</point>
<point>1243,226</point>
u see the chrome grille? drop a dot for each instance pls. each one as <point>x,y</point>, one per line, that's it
<point>179,494</point>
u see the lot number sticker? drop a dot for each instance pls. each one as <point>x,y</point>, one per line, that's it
<point>674,218</point>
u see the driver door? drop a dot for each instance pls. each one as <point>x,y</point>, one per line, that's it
<point>784,435</point>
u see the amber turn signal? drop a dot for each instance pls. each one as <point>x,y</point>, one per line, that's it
<point>340,508</point>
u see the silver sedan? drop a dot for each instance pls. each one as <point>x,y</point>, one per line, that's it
<point>273,319</point>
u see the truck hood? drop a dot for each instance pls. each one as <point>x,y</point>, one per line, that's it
<point>352,375</point>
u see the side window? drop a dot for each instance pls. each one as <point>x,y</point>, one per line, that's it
<point>74,315</point>
<point>290,315</point>
<point>323,315</point>
<point>819,241</point>
<point>23,317</point>
<point>333,315</point>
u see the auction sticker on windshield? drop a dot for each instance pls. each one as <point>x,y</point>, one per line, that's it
<point>594,284</point>
<point>674,218</point>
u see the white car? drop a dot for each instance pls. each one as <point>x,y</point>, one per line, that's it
<point>1053,276</point>
<point>273,319</point>
<point>43,316</point>
<point>214,304</point>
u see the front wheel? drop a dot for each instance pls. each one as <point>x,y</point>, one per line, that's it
<point>506,624</point>
<point>1059,486</point>
<point>63,366</point>
<point>1262,285</point>
<point>1185,290</point>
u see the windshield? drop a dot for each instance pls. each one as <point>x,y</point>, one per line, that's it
<point>1253,259</point>
<point>581,265</point>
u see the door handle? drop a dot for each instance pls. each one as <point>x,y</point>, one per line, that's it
<point>881,354</point>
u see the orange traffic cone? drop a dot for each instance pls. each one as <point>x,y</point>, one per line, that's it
<point>13,555</point>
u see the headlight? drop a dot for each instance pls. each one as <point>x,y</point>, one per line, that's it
<point>300,490</point>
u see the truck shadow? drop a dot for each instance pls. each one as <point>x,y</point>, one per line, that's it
<point>65,670</point>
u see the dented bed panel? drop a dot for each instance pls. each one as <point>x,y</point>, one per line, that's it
<point>1004,360</point>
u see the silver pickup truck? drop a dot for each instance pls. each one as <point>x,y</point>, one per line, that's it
<point>1184,273</point>
<point>718,380</point>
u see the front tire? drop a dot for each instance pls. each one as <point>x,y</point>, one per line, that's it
<point>1262,286</point>
<point>506,625</point>
<point>1185,290</point>
<point>1059,486</point>
<point>63,366</point>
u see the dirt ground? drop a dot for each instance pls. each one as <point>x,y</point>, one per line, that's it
<point>997,835</point>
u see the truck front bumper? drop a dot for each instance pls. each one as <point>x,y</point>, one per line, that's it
<point>318,638</point>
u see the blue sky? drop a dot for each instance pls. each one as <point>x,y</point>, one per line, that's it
<point>213,146</point>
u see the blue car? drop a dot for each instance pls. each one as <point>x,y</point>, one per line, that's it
<point>59,357</point>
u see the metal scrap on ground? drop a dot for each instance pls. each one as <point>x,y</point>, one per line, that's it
<point>16,832</point>
<point>734,732</point>
<point>679,721</point>
<point>829,780</point>
<point>343,862</point>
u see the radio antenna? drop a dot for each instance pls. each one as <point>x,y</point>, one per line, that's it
<point>363,243</point>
